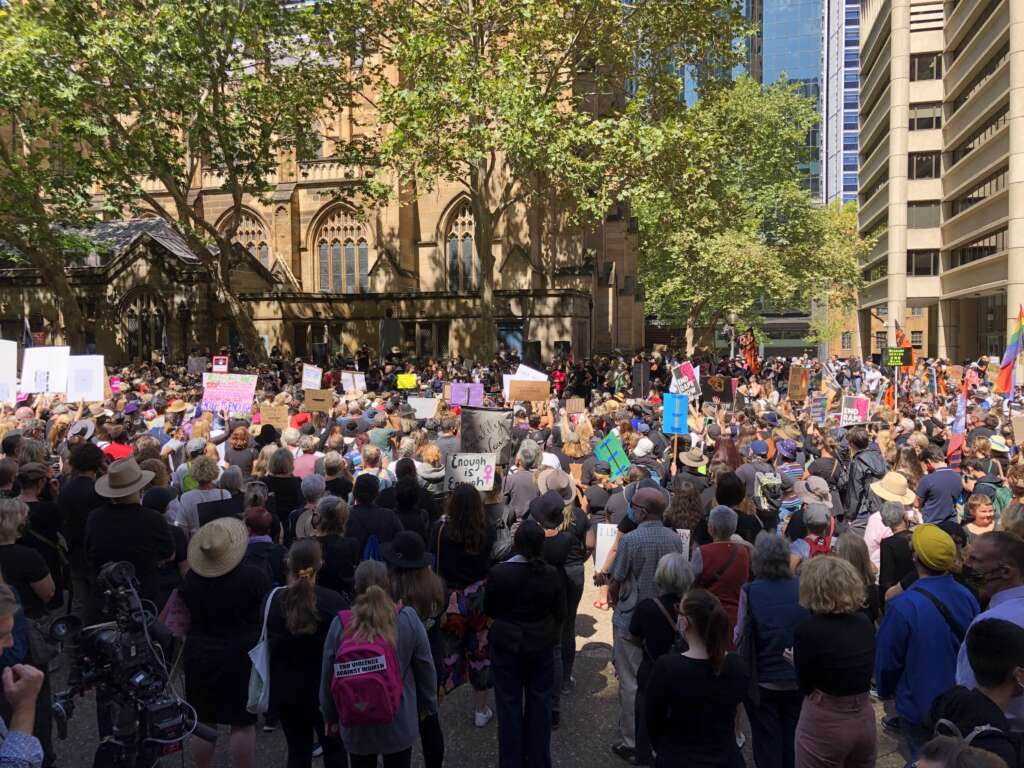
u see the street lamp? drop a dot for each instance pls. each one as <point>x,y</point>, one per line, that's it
<point>730,330</point>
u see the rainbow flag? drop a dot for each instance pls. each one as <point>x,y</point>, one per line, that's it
<point>1004,382</point>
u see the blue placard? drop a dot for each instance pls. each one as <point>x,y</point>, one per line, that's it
<point>675,414</point>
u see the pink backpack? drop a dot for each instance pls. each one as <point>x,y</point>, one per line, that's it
<point>367,682</point>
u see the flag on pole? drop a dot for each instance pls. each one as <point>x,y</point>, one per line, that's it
<point>26,336</point>
<point>748,343</point>
<point>958,429</point>
<point>1005,381</point>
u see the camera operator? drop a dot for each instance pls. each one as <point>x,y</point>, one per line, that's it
<point>21,684</point>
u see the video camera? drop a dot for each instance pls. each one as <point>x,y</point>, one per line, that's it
<point>124,660</point>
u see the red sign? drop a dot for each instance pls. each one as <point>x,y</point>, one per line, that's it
<point>220,364</point>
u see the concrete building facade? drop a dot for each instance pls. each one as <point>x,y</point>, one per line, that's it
<point>942,169</point>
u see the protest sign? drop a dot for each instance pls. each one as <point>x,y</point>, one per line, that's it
<point>45,369</point>
<point>603,544</point>
<point>8,371</point>
<point>487,430</point>
<point>1018,430</point>
<point>684,536</point>
<point>115,385</point>
<point>425,407</point>
<point>529,390</point>
<point>610,449</point>
<point>406,381</point>
<point>641,380</point>
<point>197,365</point>
<point>466,393</point>
<point>85,378</point>
<point>318,400</point>
<point>855,410</point>
<point>231,392</point>
<point>798,382</point>
<point>575,405</point>
<point>819,407</point>
<point>275,415</point>
<point>312,377</point>
<point>685,380</point>
<point>526,373</point>
<point>220,364</point>
<point>717,386</point>
<point>899,356</point>
<point>675,414</point>
<point>476,469</point>
<point>353,381</point>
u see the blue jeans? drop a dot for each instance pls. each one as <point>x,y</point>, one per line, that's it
<point>523,688</point>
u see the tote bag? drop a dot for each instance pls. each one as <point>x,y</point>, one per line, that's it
<point>258,701</point>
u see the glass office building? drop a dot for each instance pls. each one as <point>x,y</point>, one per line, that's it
<point>841,101</point>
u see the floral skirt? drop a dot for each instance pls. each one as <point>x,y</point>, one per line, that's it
<point>463,641</point>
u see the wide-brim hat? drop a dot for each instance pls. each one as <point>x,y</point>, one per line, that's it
<point>693,458</point>
<point>548,510</point>
<point>558,481</point>
<point>998,444</point>
<point>83,428</point>
<point>406,552</point>
<point>123,478</point>
<point>177,406</point>
<point>218,547</point>
<point>894,487</point>
<point>813,490</point>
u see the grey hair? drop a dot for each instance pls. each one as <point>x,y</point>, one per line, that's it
<point>770,558</point>
<point>406,448</point>
<point>327,502</point>
<point>332,462</point>
<point>673,576</point>
<point>256,494</point>
<point>231,480</point>
<point>290,436</point>
<point>313,487</point>
<point>370,573</point>
<point>722,522</point>
<point>380,420</point>
<point>281,462</point>
<point>529,454</point>
<point>892,513</point>
<point>309,443</point>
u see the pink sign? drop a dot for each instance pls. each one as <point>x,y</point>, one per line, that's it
<point>464,393</point>
<point>115,385</point>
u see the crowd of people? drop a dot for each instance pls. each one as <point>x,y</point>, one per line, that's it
<point>768,561</point>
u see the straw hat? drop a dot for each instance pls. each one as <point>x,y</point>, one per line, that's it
<point>693,458</point>
<point>998,444</point>
<point>893,487</point>
<point>177,406</point>
<point>123,478</point>
<point>218,547</point>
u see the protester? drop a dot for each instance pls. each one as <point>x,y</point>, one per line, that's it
<point>723,566</point>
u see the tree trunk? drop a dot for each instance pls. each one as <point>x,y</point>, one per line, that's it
<point>483,235</point>
<point>55,277</point>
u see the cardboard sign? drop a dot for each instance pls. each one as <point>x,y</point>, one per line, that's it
<point>312,377</point>
<point>45,369</point>
<point>353,381</point>
<point>529,390</point>
<point>898,356</point>
<point>685,380</point>
<point>799,381</point>
<point>220,364</point>
<point>603,545</point>
<point>575,405</point>
<point>610,449</point>
<point>318,400</point>
<point>675,414</point>
<point>717,386</point>
<point>425,407</point>
<point>231,392</point>
<point>85,378</point>
<point>476,469</point>
<point>855,410</point>
<point>487,430</point>
<point>819,408</point>
<point>406,381</point>
<point>465,393</point>
<point>8,371</point>
<point>275,415</point>
<point>1018,430</point>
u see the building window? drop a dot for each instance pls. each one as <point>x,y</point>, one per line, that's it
<point>847,340</point>
<point>426,339</point>
<point>325,268</point>
<point>926,66</point>
<point>462,260</point>
<point>264,255</point>
<point>877,272</point>
<point>881,340</point>
<point>343,254</point>
<point>923,215</point>
<point>989,245</point>
<point>252,235</point>
<point>364,266</point>
<point>980,136</point>
<point>922,263</point>
<point>883,311</point>
<point>916,311</point>
<point>336,267</point>
<point>924,117</point>
<point>924,165</point>
<point>992,185</point>
<point>917,339</point>
<point>982,77</point>
<point>350,267</point>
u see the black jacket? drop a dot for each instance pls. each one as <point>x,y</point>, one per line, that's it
<point>527,603</point>
<point>867,467</point>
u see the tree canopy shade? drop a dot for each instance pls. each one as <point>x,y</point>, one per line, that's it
<point>520,101</point>
<point>174,91</point>
<point>725,223</point>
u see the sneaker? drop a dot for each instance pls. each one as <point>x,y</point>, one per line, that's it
<point>318,750</point>
<point>625,753</point>
<point>269,726</point>
<point>891,723</point>
<point>480,719</point>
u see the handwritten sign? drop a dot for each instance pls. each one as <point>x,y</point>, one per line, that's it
<point>476,469</point>
<point>610,449</point>
<point>85,378</point>
<point>819,407</point>
<point>425,407</point>
<point>406,381</point>
<point>575,405</point>
<point>603,545</point>
<point>275,415</point>
<point>1018,430</point>
<point>220,364</point>
<point>798,382</point>
<point>45,369</point>
<point>529,390</point>
<point>231,392</point>
<point>312,377</point>
<point>487,430</point>
<point>318,400</point>
<point>855,410</point>
<point>8,371</point>
<point>353,381</point>
<point>685,380</point>
<point>675,414</point>
<point>466,393</point>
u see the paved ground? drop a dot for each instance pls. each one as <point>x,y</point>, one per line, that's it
<point>589,718</point>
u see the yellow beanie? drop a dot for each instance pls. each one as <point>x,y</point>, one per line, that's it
<point>935,548</point>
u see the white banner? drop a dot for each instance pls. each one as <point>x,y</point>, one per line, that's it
<point>312,376</point>
<point>85,378</point>
<point>45,369</point>
<point>8,371</point>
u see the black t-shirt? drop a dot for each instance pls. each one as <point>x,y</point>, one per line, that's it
<point>170,576</point>
<point>578,532</point>
<point>657,634</point>
<point>341,556</point>
<point>834,653</point>
<point>339,486</point>
<point>556,550</point>
<point>825,468</point>
<point>77,499</point>
<point>455,565</point>
<point>43,535</point>
<point>21,568</point>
